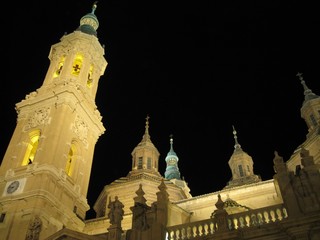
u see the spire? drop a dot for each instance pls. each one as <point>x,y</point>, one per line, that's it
<point>89,22</point>
<point>172,152</point>
<point>308,94</point>
<point>310,108</point>
<point>146,136</point>
<point>237,146</point>
<point>146,139</point>
<point>172,170</point>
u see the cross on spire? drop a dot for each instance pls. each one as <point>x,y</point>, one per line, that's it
<point>299,75</point>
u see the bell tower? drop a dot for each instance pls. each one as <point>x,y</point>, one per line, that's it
<point>45,172</point>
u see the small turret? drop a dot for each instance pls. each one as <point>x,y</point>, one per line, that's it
<point>241,166</point>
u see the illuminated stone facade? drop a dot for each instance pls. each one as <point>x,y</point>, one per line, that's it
<point>45,173</point>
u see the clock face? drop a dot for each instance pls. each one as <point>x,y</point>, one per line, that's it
<point>13,186</point>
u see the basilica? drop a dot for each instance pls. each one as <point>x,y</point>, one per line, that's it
<point>45,172</point>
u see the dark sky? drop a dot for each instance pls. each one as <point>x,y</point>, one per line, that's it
<point>195,67</point>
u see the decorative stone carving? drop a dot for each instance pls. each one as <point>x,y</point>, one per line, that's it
<point>80,128</point>
<point>31,95</point>
<point>116,212</point>
<point>34,229</point>
<point>39,117</point>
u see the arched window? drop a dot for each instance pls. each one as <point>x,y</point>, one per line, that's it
<point>71,160</point>
<point>241,171</point>
<point>77,64</point>
<point>90,79</point>
<point>313,120</point>
<point>59,68</point>
<point>149,163</point>
<point>140,163</point>
<point>31,148</point>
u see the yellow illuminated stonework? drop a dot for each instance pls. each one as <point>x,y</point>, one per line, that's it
<point>77,64</point>
<point>59,68</point>
<point>90,80</point>
<point>71,160</point>
<point>31,147</point>
<point>89,21</point>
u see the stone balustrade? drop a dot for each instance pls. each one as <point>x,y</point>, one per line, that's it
<point>235,221</point>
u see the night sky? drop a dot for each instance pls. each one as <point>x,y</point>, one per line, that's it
<point>195,67</point>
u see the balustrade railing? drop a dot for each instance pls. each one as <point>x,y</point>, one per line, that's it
<point>235,221</point>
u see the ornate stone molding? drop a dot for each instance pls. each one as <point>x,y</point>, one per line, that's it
<point>38,117</point>
<point>80,128</point>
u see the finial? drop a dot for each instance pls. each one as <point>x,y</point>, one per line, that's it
<point>307,92</point>
<point>236,145</point>
<point>94,7</point>
<point>147,124</point>
<point>234,130</point>
<point>171,139</point>
<point>306,89</point>
<point>219,204</point>
<point>146,136</point>
<point>299,74</point>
